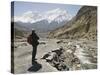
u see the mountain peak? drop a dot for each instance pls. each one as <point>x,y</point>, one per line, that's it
<point>57,15</point>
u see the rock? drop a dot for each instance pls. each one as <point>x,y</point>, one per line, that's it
<point>78,65</point>
<point>76,61</point>
<point>74,48</point>
<point>62,58</point>
<point>46,55</point>
<point>55,62</point>
<point>58,51</point>
<point>42,43</point>
<point>60,41</point>
<point>50,57</point>
<point>69,43</point>
<point>23,44</point>
<point>62,67</point>
<point>56,59</point>
<point>69,51</point>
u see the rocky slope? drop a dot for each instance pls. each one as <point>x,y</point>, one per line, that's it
<point>83,25</point>
<point>55,55</point>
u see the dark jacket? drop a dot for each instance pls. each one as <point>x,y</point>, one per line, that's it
<point>35,39</point>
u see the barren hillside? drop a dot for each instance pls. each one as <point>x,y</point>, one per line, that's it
<point>84,25</point>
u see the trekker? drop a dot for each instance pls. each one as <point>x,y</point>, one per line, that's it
<point>35,43</point>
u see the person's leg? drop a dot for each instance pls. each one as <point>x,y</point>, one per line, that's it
<point>34,53</point>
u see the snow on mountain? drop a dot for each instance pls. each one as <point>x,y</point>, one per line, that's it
<point>57,15</point>
<point>29,16</point>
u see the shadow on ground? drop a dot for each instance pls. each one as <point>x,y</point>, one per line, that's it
<point>35,67</point>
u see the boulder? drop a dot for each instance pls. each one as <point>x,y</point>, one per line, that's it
<point>46,55</point>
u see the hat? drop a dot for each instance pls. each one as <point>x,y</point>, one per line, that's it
<point>33,30</point>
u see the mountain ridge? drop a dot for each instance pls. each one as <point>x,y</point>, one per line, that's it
<point>83,26</point>
<point>57,15</point>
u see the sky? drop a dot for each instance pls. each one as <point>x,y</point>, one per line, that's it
<point>21,7</point>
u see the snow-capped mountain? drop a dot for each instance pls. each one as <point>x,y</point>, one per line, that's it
<point>42,22</point>
<point>58,15</point>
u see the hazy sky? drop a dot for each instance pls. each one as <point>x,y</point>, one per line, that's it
<point>22,7</point>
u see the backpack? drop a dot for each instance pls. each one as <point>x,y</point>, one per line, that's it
<point>29,39</point>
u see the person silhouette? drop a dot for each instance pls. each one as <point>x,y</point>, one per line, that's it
<point>35,43</point>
